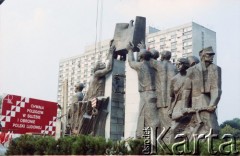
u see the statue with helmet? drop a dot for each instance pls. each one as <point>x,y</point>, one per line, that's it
<point>203,91</point>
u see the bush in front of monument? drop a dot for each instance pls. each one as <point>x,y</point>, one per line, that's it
<point>30,144</point>
<point>68,145</point>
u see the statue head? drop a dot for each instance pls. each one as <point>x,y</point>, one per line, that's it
<point>155,54</point>
<point>79,87</point>
<point>207,55</point>
<point>144,55</point>
<point>192,60</point>
<point>166,55</point>
<point>99,66</point>
<point>182,64</point>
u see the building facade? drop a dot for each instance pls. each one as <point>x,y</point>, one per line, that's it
<point>78,69</point>
<point>182,41</point>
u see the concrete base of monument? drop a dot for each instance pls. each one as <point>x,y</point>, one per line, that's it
<point>131,103</point>
<point>114,88</point>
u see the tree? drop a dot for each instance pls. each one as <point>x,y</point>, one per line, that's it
<point>234,123</point>
<point>231,127</point>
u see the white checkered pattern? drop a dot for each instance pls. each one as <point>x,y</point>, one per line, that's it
<point>51,127</point>
<point>14,108</point>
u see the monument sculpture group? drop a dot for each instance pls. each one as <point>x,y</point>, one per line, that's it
<point>182,97</point>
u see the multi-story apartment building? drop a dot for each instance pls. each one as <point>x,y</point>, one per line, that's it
<point>78,69</point>
<point>182,41</point>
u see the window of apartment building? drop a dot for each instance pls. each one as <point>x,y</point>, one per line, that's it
<point>187,33</point>
<point>73,61</point>
<point>173,45</point>
<point>173,52</point>
<point>173,36</point>
<point>151,46</point>
<point>162,43</point>
<point>173,39</point>
<point>187,43</point>
<point>187,29</point>
<point>162,47</point>
<point>66,64</point>
<point>162,39</point>
<point>187,49</point>
<point>151,40</point>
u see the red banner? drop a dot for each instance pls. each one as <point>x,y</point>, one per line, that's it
<point>27,115</point>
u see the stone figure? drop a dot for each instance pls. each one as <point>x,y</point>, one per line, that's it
<point>192,60</point>
<point>73,113</point>
<point>89,122</point>
<point>176,106</point>
<point>165,75</point>
<point>165,70</point>
<point>203,89</point>
<point>155,54</point>
<point>146,86</point>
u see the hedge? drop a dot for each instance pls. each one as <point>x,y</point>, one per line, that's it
<point>89,145</point>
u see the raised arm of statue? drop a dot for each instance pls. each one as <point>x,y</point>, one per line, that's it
<point>102,72</point>
<point>141,45</point>
<point>133,64</point>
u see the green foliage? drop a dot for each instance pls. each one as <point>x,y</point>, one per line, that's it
<point>88,145</point>
<point>22,145</point>
<point>68,145</point>
<point>45,145</point>
<point>230,130</point>
<point>234,123</point>
<point>136,146</point>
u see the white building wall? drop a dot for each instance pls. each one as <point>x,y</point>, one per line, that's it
<point>182,41</point>
<point>202,38</point>
<point>78,69</point>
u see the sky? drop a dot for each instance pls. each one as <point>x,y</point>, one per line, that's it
<point>36,34</point>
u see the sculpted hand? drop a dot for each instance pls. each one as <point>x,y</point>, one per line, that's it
<point>141,45</point>
<point>211,108</point>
